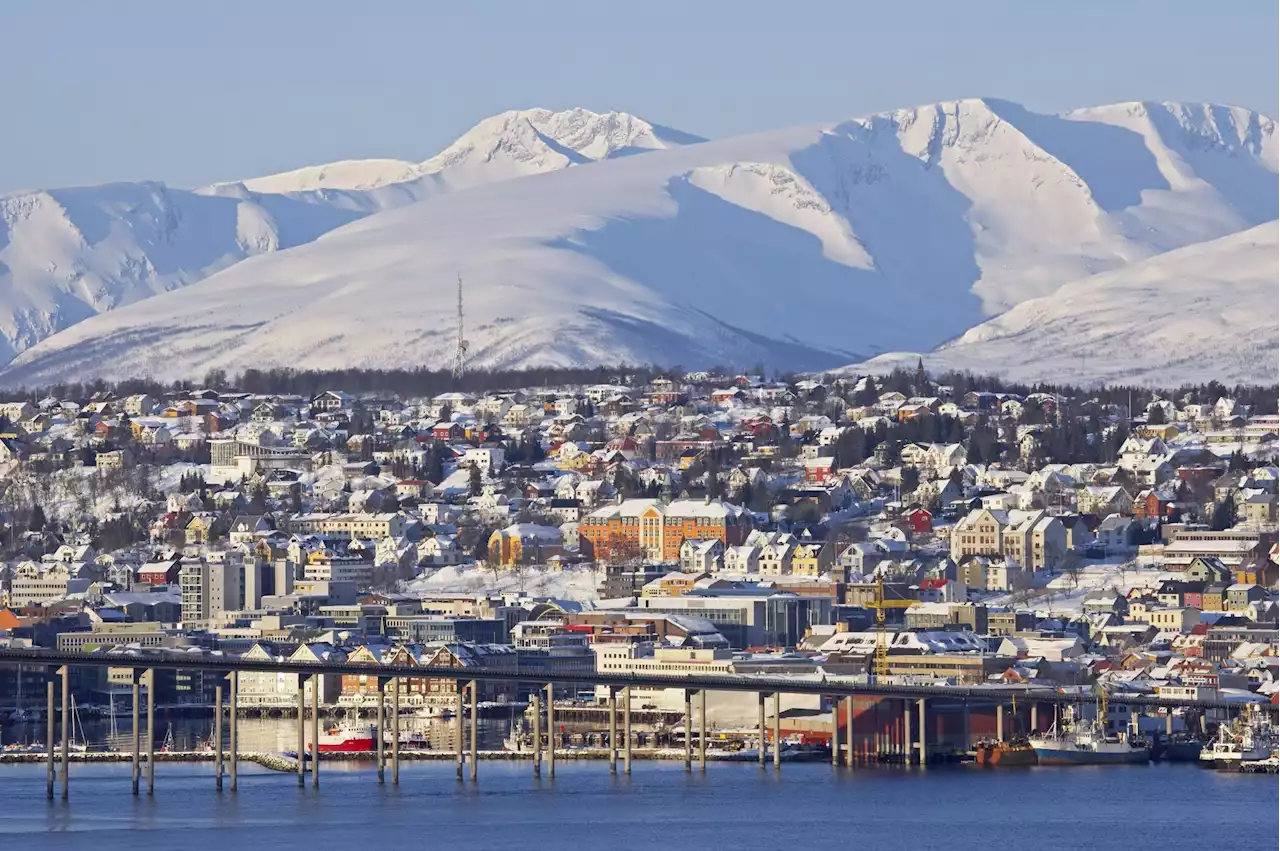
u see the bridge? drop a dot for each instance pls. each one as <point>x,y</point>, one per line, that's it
<point>915,700</point>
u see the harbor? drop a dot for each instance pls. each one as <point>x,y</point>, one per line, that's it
<point>1247,744</point>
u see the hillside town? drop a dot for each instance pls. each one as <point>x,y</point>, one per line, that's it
<point>680,523</point>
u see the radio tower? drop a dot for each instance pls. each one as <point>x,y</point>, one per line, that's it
<point>460,356</point>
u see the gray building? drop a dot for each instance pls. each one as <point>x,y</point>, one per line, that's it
<point>430,629</point>
<point>210,586</point>
<point>749,617</point>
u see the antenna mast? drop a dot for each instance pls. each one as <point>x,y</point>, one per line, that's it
<point>460,355</point>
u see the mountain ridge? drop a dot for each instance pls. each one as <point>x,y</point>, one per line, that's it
<point>804,247</point>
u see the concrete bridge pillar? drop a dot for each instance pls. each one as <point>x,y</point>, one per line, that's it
<point>922,745</point>
<point>395,732</point>
<point>315,732</point>
<point>613,729</point>
<point>536,702</point>
<point>835,733</point>
<point>302,727</point>
<point>136,769</point>
<point>65,673</point>
<point>688,730</point>
<point>459,728</point>
<point>551,731</point>
<point>848,715</point>
<point>763,744</point>
<point>50,771</point>
<point>234,680</point>
<point>381,741</point>
<point>702,729</point>
<point>473,687</point>
<point>777,730</point>
<point>151,731</point>
<point>626,729</point>
<point>217,735</point>
<point>906,732</point>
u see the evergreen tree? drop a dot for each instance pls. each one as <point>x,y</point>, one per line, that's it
<point>37,521</point>
<point>867,394</point>
<point>1224,515</point>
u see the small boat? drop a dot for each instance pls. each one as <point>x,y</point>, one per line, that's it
<point>347,739</point>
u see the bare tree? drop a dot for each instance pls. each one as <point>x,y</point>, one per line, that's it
<point>1071,566</point>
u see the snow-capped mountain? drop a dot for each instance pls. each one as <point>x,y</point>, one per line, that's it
<point>513,144</point>
<point>1196,314</point>
<point>804,248</point>
<point>68,254</point>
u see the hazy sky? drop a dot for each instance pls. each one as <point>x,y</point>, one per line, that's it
<point>193,92</point>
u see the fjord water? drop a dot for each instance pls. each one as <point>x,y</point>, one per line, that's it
<point>732,806</point>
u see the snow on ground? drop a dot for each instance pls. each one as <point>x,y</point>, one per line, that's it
<point>168,478</point>
<point>1065,594</point>
<point>572,583</point>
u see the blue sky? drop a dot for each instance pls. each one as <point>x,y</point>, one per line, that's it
<point>190,93</point>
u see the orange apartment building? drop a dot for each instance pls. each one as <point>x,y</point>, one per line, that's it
<point>652,530</point>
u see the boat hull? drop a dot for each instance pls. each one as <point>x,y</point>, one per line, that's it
<point>1063,756</point>
<point>1006,755</point>
<point>352,745</point>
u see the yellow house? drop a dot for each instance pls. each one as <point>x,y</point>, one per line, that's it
<point>1164,431</point>
<point>812,559</point>
<point>525,543</point>
<point>199,528</point>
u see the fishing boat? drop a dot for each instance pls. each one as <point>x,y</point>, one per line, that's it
<point>1080,742</point>
<point>1250,738</point>
<point>347,739</point>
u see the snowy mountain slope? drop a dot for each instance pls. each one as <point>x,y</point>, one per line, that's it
<point>68,254</point>
<point>512,144</point>
<point>1200,313</point>
<point>800,247</point>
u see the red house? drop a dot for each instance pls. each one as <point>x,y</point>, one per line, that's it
<point>818,470</point>
<point>448,431</point>
<point>1148,504</point>
<point>919,520</point>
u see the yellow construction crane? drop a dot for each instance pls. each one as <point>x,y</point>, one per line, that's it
<point>880,668</point>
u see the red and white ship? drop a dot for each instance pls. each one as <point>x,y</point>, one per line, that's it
<point>347,739</point>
